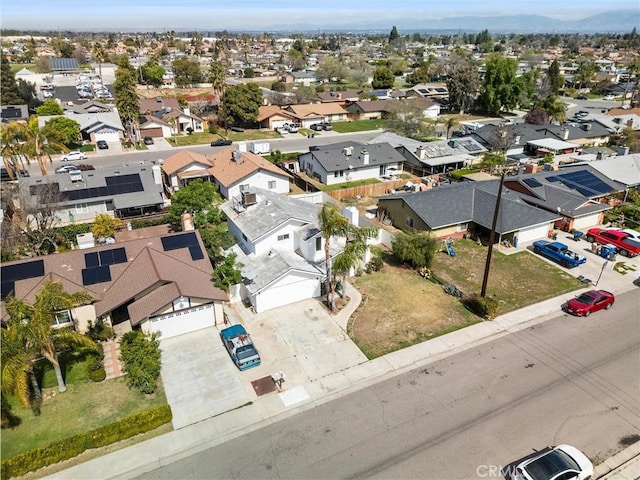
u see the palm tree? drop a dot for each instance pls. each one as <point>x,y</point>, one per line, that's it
<point>11,148</point>
<point>354,250</point>
<point>99,54</point>
<point>450,124</point>
<point>33,324</point>
<point>18,377</point>
<point>332,224</point>
<point>39,142</point>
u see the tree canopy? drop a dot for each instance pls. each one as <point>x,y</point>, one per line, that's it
<point>500,88</point>
<point>50,107</point>
<point>63,130</point>
<point>241,103</point>
<point>9,94</point>
<point>186,72</point>
<point>383,78</point>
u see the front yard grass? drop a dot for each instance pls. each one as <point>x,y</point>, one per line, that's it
<point>357,126</point>
<point>400,308</point>
<point>203,138</point>
<point>84,406</point>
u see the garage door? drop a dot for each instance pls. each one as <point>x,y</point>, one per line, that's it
<point>533,233</point>
<point>184,321</point>
<point>152,132</point>
<point>107,135</point>
<point>291,289</point>
<point>586,222</point>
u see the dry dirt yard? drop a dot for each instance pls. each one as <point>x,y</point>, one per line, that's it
<point>400,308</point>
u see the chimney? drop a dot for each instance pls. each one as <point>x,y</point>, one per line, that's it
<point>235,156</point>
<point>565,133</point>
<point>421,153</point>
<point>348,151</point>
<point>516,141</point>
<point>364,156</point>
<point>187,111</point>
<point>622,150</point>
<point>187,222</point>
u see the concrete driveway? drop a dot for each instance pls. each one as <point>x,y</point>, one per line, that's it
<point>199,378</point>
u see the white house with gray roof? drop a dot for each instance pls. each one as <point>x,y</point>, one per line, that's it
<point>280,247</point>
<point>96,126</point>
<point>350,161</point>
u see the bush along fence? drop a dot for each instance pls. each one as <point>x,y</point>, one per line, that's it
<point>75,445</point>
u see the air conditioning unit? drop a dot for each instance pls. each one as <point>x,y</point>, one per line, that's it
<point>586,127</point>
<point>249,198</point>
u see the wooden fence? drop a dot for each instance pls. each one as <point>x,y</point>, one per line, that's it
<point>373,190</point>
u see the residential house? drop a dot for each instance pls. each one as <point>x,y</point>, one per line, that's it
<point>434,157</point>
<point>233,171</point>
<point>311,113</point>
<point>350,161</point>
<point>467,207</point>
<point>280,246</point>
<point>368,109</point>
<point>159,283</point>
<point>580,194</point>
<point>160,112</point>
<point>78,196</point>
<point>96,126</point>
<point>428,90</point>
<point>339,97</point>
<point>14,113</point>
<point>272,117</point>
<point>306,78</point>
<point>621,170</point>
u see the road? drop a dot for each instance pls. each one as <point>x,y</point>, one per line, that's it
<point>292,143</point>
<point>567,380</point>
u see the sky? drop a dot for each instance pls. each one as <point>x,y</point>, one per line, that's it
<point>259,15</point>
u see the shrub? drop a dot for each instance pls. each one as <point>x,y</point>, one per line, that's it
<point>100,331</point>
<point>75,445</point>
<point>482,306</point>
<point>374,265</point>
<point>95,369</point>
<point>140,355</point>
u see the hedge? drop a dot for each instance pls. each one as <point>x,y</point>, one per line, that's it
<point>75,445</point>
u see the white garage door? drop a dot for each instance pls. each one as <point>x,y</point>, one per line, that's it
<point>291,289</point>
<point>108,135</point>
<point>586,222</point>
<point>533,233</point>
<point>184,321</point>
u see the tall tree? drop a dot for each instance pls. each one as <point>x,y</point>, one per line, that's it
<point>18,376</point>
<point>36,324</point>
<point>9,94</point>
<point>217,77</point>
<point>500,88</point>
<point>195,198</point>
<point>556,79</point>
<point>241,103</point>
<point>38,142</point>
<point>50,107</point>
<point>383,78</point>
<point>62,130</point>
<point>332,224</point>
<point>100,54</point>
<point>463,82</point>
<point>186,72</point>
<point>585,73</point>
<point>127,101</point>
<point>354,251</point>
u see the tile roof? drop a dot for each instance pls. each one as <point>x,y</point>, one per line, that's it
<point>312,110</point>
<point>182,159</point>
<point>147,268</point>
<point>228,171</point>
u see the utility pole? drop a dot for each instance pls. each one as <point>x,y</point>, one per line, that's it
<point>492,237</point>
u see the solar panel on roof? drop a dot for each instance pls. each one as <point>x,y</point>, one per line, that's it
<point>532,182</point>
<point>196,252</point>
<point>6,289</point>
<point>22,271</point>
<point>116,185</point>
<point>91,276</point>
<point>113,256</point>
<point>91,260</point>
<point>584,182</point>
<point>179,241</point>
<point>11,113</point>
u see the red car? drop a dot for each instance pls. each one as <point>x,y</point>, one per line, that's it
<point>588,302</point>
<point>624,243</point>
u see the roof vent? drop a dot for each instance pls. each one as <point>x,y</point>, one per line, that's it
<point>348,151</point>
<point>235,156</point>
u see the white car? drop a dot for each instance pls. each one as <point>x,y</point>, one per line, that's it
<point>73,156</point>
<point>551,463</point>
<point>633,234</point>
<point>609,97</point>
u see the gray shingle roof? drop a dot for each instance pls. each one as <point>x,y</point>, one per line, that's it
<point>332,158</point>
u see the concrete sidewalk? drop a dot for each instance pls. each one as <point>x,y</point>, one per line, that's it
<point>295,398</point>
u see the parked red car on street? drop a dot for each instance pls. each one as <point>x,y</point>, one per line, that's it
<point>588,302</point>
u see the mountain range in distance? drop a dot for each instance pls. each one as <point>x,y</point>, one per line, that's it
<point>607,22</point>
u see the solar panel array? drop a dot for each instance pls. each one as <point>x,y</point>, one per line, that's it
<point>97,265</point>
<point>584,182</point>
<point>185,240</point>
<point>532,182</point>
<point>11,112</point>
<point>116,185</point>
<point>22,271</point>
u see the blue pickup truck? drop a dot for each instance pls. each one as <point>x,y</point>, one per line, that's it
<point>240,347</point>
<point>559,253</point>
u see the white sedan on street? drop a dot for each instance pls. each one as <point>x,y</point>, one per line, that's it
<point>73,156</point>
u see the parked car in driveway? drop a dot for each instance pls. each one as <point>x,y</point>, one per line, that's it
<point>73,156</point>
<point>102,144</point>
<point>625,244</point>
<point>148,140</point>
<point>240,347</point>
<point>221,142</point>
<point>586,303</point>
<point>562,462</point>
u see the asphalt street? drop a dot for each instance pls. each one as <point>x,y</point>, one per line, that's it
<point>567,380</point>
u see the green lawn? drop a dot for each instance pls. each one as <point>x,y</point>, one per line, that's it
<point>85,405</point>
<point>206,137</point>
<point>16,67</point>
<point>516,280</point>
<point>357,126</point>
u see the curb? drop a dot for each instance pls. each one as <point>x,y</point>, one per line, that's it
<point>624,465</point>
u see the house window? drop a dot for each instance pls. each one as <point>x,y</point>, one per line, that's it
<point>244,237</point>
<point>82,208</point>
<point>339,174</point>
<point>283,237</point>
<point>244,188</point>
<point>383,170</point>
<point>62,318</point>
<point>318,244</point>
<point>408,221</point>
<point>272,184</point>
